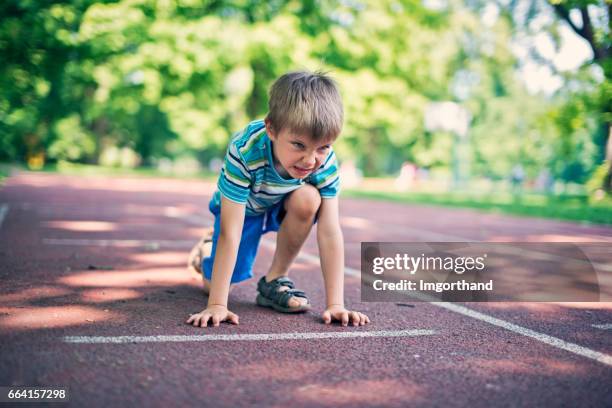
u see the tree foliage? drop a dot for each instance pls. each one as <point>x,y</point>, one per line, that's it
<point>174,79</point>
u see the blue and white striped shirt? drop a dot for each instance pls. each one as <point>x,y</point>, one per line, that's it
<point>248,175</point>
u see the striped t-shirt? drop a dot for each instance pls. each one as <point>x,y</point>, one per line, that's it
<point>248,175</point>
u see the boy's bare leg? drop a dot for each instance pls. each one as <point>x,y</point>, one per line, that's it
<point>301,207</point>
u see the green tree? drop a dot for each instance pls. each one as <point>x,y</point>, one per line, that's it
<point>594,27</point>
<point>37,44</point>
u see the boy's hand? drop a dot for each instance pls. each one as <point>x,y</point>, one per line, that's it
<point>216,313</point>
<point>339,313</point>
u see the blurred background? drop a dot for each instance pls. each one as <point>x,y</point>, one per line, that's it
<point>503,103</point>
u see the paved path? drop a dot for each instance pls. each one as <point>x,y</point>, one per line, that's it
<point>94,292</point>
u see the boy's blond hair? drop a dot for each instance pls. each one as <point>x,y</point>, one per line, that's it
<point>306,103</point>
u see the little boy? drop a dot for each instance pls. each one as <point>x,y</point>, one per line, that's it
<point>280,174</point>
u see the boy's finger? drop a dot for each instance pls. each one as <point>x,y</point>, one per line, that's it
<point>356,318</point>
<point>215,320</point>
<point>345,318</point>
<point>190,319</point>
<point>204,320</point>
<point>327,317</point>
<point>232,317</point>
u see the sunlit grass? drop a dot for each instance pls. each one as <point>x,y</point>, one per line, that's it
<point>94,170</point>
<point>564,207</point>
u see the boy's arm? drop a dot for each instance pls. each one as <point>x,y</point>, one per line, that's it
<point>331,250</point>
<point>232,220</point>
<point>231,223</point>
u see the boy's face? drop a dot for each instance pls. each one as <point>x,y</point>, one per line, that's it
<point>297,155</point>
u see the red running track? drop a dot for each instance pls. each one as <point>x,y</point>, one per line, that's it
<point>106,257</point>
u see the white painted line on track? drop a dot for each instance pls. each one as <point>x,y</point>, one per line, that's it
<point>3,211</point>
<point>544,338</point>
<point>363,223</point>
<point>246,337</point>
<point>606,326</point>
<point>136,243</point>
<point>122,243</point>
<point>453,307</point>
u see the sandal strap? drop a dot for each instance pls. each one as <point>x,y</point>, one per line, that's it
<point>270,290</point>
<point>283,281</point>
<point>288,294</point>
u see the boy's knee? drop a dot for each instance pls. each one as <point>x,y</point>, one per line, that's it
<point>304,202</point>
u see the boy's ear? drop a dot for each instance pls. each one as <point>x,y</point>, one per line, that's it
<point>269,129</point>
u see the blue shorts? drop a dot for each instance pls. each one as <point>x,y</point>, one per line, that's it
<point>254,227</point>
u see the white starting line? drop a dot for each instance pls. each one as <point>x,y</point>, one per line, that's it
<point>122,243</point>
<point>523,331</point>
<point>245,337</point>
<point>515,328</point>
<point>462,310</point>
